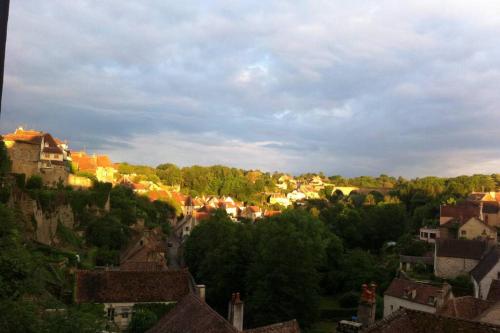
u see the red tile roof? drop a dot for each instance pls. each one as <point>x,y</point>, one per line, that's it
<point>86,163</point>
<point>412,321</point>
<point>131,286</point>
<point>253,209</point>
<point>286,327</point>
<point>269,213</point>
<point>400,288</point>
<point>461,248</point>
<point>463,212</point>
<point>194,316</point>
<point>466,307</point>
<point>104,161</point>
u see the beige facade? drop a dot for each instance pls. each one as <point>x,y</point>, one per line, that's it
<point>450,268</point>
<point>121,313</point>
<point>429,235</point>
<point>24,157</point>
<point>474,229</point>
<point>392,304</point>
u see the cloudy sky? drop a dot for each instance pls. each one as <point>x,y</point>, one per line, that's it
<point>346,87</point>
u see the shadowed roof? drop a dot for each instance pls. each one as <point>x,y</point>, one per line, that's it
<point>460,248</point>
<point>192,315</point>
<point>400,288</point>
<point>486,264</point>
<point>131,286</point>
<point>413,321</point>
<point>467,307</point>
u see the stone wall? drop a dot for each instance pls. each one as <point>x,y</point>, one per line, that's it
<point>450,268</point>
<point>80,182</point>
<point>55,175</point>
<point>24,157</point>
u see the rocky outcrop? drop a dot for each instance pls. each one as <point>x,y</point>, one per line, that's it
<point>44,223</point>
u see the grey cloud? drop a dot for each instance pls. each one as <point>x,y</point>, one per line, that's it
<point>359,87</point>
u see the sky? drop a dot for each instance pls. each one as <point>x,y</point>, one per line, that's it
<point>345,87</point>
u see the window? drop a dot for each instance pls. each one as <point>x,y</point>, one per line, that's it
<point>431,300</point>
<point>463,232</point>
<point>433,236</point>
<point>392,308</point>
<point>125,313</point>
<point>111,313</point>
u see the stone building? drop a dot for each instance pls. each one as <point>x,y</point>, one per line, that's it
<point>455,257</point>
<point>194,315</point>
<point>37,153</point>
<point>119,291</point>
<point>414,295</point>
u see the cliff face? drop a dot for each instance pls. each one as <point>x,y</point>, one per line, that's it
<point>44,223</point>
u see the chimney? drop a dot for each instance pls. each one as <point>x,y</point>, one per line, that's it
<point>201,291</point>
<point>367,305</point>
<point>235,311</point>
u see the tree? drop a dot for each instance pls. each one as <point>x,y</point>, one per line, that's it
<point>35,182</point>
<point>5,162</point>
<point>289,248</point>
<point>169,174</point>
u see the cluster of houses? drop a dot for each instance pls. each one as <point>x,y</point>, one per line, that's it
<point>145,276</point>
<point>297,191</point>
<point>465,245</point>
<point>38,153</point>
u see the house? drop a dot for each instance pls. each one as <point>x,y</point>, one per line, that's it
<point>455,257</point>
<point>252,213</point>
<point>279,199</point>
<point>485,210</point>
<point>414,321</point>
<point>487,270</point>
<point>408,263</point>
<point>296,196</point>
<point>119,291</point>
<point>415,295</point>
<point>230,208</point>
<point>36,153</point>
<point>98,165</point>
<point>194,315</point>
<point>146,253</point>
<point>477,229</point>
<point>429,235</point>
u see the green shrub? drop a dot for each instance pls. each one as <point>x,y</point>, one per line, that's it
<point>35,182</point>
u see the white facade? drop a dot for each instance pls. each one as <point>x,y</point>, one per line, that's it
<point>392,304</point>
<point>482,288</point>
<point>429,235</point>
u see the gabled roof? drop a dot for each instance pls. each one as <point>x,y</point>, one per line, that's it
<point>413,321</point>
<point>461,248</point>
<point>425,293</point>
<point>104,161</point>
<point>286,327</point>
<point>253,209</point>
<point>494,293</point>
<point>131,286</point>
<point>192,315</point>
<point>486,264</point>
<point>467,307</point>
<point>463,211</point>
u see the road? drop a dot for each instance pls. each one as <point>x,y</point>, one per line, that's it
<point>173,252</point>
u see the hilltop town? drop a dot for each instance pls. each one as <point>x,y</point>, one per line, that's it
<point>216,249</point>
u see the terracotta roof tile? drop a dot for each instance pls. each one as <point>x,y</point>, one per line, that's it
<point>131,286</point>
<point>286,327</point>
<point>104,161</point>
<point>463,212</point>
<point>194,316</point>
<point>413,321</point>
<point>400,288</point>
<point>466,307</point>
<point>461,248</point>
